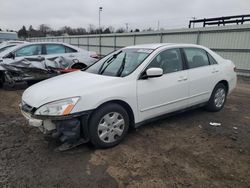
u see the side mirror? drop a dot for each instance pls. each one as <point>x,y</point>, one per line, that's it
<point>10,55</point>
<point>152,73</point>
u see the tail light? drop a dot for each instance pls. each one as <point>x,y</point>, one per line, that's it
<point>94,56</point>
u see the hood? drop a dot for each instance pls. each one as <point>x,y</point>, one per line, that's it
<point>69,85</point>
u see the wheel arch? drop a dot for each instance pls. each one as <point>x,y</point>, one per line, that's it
<point>225,83</point>
<point>79,65</point>
<point>126,106</point>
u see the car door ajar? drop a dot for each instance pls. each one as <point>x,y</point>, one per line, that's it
<point>168,93</point>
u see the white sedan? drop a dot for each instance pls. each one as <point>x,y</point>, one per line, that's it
<point>126,89</point>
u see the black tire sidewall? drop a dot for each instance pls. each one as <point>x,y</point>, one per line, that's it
<point>211,104</point>
<point>96,118</point>
<point>1,79</point>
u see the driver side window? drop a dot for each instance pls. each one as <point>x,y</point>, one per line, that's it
<point>169,60</point>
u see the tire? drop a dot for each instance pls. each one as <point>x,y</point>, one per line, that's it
<point>1,80</point>
<point>108,126</point>
<point>218,98</point>
<point>1,84</point>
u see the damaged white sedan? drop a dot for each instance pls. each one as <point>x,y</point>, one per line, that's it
<point>126,89</point>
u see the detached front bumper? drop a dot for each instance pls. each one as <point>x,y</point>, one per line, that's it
<point>52,124</point>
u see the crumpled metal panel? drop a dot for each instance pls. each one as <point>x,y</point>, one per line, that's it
<point>34,68</point>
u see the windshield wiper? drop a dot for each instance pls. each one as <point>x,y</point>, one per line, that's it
<point>101,70</point>
<point>119,72</point>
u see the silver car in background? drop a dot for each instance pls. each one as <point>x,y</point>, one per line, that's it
<point>37,61</point>
<point>39,50</point>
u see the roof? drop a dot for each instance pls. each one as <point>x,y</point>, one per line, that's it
<point>154,46</point>
<point>150,46</point>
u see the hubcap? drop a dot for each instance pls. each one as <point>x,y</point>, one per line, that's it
<point>111,127</point>
<point>219,98</point>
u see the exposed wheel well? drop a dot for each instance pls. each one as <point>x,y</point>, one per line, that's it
<point>225,83</point>
<point>126,107</point>
<point>78,66</point>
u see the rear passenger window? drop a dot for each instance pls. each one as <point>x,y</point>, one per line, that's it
<point>70,50</point>
<point>55,49</point>
<point>169,60</point>
<point>196,57</point>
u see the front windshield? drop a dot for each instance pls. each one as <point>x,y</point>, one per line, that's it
<point>120,63</point>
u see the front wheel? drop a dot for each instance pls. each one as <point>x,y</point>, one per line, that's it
<point>217,99</point>
<point>108,126</point>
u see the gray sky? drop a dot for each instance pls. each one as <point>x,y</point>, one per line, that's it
<point>137,13</point>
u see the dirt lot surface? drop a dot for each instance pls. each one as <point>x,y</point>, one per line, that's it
<point>179,151</point>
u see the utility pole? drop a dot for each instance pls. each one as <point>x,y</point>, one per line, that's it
<point>100,47</point>
<point>194,18</point>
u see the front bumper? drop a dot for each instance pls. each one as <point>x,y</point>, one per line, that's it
<point>48,124</point>
<point>45,126</point>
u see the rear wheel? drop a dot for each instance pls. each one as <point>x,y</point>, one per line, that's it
<point>218,98</point>
<point>108,125</point>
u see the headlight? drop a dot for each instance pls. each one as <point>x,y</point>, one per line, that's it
<point>58,108</point>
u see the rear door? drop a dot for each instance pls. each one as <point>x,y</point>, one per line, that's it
<point>53,50</point>
<point>168,93</point>
<point>202,75</point>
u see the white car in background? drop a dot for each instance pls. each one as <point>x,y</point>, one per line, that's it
<point>11,43</point>
<point>126,89</point>
<point>41,50</point>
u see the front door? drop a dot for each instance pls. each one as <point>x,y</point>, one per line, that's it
<point>168,93</point>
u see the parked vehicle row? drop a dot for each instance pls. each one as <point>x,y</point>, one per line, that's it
<point>125,89</point>
<point>41,60</point>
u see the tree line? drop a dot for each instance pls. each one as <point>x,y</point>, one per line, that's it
<point>44,30</point>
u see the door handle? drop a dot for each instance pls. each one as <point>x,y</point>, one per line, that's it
<point>71,55</point>
<point>40,57</point>
<point>182,78</point>
<point>215,71</point>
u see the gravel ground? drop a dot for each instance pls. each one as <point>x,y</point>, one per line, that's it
<point>179,151</point>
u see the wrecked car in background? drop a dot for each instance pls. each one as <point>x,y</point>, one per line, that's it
<point>126,89</point>
<point>37,61</point>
